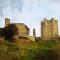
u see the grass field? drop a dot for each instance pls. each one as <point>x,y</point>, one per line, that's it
<point>30,50</point>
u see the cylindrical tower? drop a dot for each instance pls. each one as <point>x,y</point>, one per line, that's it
<point>54,28</point>
<point>44,29</point>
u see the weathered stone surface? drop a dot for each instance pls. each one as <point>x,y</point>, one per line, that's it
<point>7,21</point>
<point>22,29</point>
<point>49,29</point>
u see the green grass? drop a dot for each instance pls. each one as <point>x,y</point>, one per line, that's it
<point>30,51</point>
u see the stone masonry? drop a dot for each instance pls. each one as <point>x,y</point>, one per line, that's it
<point>23,30</point>
<point>49,29</point>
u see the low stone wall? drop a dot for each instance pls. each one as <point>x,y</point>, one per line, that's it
<point>21,37</point>
<point>32,38</point>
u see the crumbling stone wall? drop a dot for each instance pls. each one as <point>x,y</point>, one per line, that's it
<point>22,29</point>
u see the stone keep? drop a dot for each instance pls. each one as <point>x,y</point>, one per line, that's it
<point>49,29</point>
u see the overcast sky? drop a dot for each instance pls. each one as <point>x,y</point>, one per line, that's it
<point>30,12</point>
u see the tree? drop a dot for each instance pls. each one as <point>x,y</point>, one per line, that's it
<point>10,31</point>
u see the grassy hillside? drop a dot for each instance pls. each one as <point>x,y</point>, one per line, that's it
<point>30,50</point>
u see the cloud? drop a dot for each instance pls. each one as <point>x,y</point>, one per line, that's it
<point>56,1</point>
<point>30,12</point>
<point>12,4</point>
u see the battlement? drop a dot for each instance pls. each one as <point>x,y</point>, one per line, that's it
<point>45,20</point>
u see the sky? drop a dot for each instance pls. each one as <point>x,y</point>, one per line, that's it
<point>30,12</point>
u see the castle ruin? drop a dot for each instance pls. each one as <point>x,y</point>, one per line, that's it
<point>23,30</point>
<point>49,29</point>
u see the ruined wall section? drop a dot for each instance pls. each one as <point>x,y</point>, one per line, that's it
<point>22,29</point>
